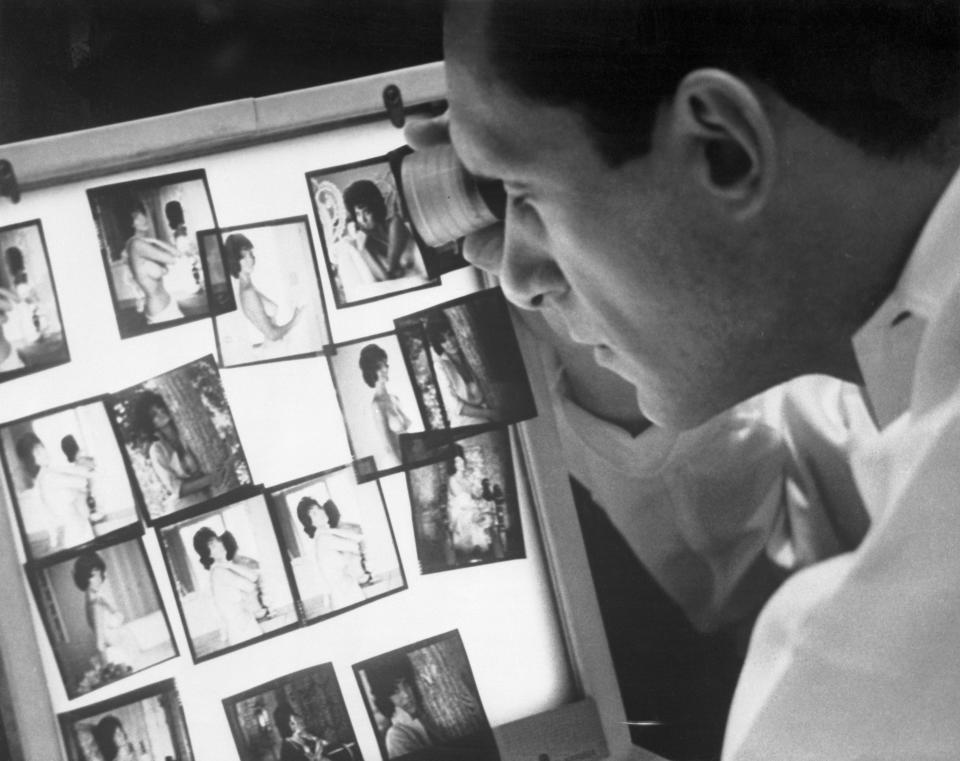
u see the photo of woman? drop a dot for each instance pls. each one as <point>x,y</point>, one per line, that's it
<point>298,717</point>
<point>377,400</point>
<point>151,258</point>
<point>465,503</point>
<point>424,704</point>
<point>227,569</point>
<point>102,613</point>
<point>67,477</point>
<point>369,247</point>
<point>473,365</point>
<point>339,541</point>
<point>270,269</point>
<point>180,438</point>
<point>31,328</point>
<point>144,725</point>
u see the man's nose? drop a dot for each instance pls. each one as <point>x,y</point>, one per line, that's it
<point>529,275</point>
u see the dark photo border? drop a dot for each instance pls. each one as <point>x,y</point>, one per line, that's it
<point>95,199</point>
<point>319,174</point>
<point>63,353</point>
<point>273,499</point>
<point>165,689</point>
<point>199,511</point>
<point>33,569</point>
<point>230,305</point>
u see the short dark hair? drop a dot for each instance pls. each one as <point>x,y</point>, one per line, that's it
<point>103,733</point>
<point>24,448</point>
<point>371,357</point>
<point>127,205</point>
<point>383,676</point>
<point>884,74</point>
<point>14,260</point>
<point>281,717</point>
<point>84,566</point>
<point>365,193</point>
<point>233,248</point>
<point>201,543</point>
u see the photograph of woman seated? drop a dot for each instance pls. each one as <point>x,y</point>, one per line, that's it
<point>155,273</point>
<point>179,435</point>
<point>114,627</point>
<point>424,705</point>
<point>297,717</point>
<point>236,586</point>
<point>31,331</point>
<point>228,571</point>
<point>338,538</point>
<point>465,507</point>
<point>67,478</point>
<point>370,250</point>
<point>270,269</point>
<point>144,725</point>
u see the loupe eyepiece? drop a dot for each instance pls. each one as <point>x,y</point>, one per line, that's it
<point>443,201</point>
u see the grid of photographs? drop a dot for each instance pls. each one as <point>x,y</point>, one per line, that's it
<point>68,478</point>
<point>103,613</point>
<point>143,725</point>
<point>150,255</point>
<point>266,286</point>
<point>247,562</point>
<point>297,717</point>
<point>368,245</point>
<point>424,705</point>
<point>466,364</point>
<point>31,328</point>
<point>337,536</point>
<point>464,501</point>
<point>180,438</point>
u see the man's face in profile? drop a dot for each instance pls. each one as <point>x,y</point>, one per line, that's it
<point>622,255</point>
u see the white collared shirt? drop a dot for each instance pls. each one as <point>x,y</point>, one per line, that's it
<point>858,657</point>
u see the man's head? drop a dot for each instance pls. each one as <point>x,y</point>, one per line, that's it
<point>705,191</point>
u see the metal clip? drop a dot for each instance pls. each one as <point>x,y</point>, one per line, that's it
<point>8,181</point>
<point>393,102</point>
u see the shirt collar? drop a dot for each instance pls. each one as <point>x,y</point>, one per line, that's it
<point>886,346</point>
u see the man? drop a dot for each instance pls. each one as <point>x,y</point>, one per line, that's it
<point>722,196</point>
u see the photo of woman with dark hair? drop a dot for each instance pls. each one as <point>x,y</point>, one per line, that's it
<point>297,744</point>
<point>469,519</point>
<point>389,419</point>
<point>63,491</point>
<point>370,248</point>
<point>338,554</point>
<point>463,398</point>
<point>114,644</point>
<point>180,438</point>
<point>235,583</point>
<point>261,311</point>
<point>144,725</point>
<point>173,462</point>
<point>229,574</point>
<point>152,263</point>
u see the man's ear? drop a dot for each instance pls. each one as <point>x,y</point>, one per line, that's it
<point>727,137</point>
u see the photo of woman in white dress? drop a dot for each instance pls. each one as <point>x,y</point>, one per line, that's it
<point>235,584</point>
<point>338,554</point>
<point>469,517</point>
